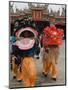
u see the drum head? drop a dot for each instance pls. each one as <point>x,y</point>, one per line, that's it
<point>25,43</point>
<point>26,38</point>
<point>27,32</point>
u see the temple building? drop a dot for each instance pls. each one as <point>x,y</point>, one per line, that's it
<point>38,12</point>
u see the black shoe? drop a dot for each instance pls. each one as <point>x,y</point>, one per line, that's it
<point>54,79</point>
<point>14,77</point>
<point>44,74</point>
<point>19,80</point>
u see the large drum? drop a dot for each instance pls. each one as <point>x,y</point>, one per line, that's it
<point>26,42</point>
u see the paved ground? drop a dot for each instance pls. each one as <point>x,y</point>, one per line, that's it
<point>44,81</point>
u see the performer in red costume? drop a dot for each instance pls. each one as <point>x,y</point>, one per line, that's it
<point>51,39</point>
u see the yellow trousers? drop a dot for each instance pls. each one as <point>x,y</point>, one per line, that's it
<point>16,70</point>
<point>27,73</point>
<point>50,60</point>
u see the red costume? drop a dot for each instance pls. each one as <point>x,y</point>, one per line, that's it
<point>52,38</point>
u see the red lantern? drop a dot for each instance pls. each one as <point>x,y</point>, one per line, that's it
<point>52,36</point>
